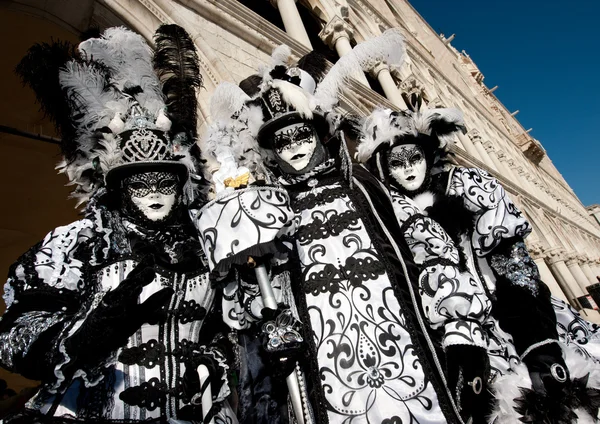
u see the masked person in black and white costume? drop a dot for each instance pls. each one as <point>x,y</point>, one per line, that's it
<point>408,152</point>
<point>369,356</point>
<point>114,313</point>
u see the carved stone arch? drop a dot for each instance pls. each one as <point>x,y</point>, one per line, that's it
<point>365,26</point>
<point>540,219</point>
<point>533,216</point>
<point>555,224</point>
<point>327,10</point>
<point>145,16</point>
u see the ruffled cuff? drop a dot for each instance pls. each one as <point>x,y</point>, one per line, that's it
<point>216,361</point>
<point>69,367</point>
<point>464,332</point>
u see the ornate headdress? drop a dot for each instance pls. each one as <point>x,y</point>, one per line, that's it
<point>383,129</point>
<point>281,95</point>
<point>119,108</point>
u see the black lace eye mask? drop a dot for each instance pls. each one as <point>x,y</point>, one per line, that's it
<point>406,157</point>
<point>284,140</point>
<point>140,185</point>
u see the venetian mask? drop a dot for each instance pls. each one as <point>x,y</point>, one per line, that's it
<point>154,194</point>
<point>408,166</point>
<point>295,145</point>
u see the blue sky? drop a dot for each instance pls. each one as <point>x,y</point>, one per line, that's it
<point>545,57</point>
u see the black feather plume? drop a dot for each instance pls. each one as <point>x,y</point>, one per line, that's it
<point>440,126</point>
<point>251,85</point>
<point>176,64</point>
<point>537,408</point>
<point>315,64</point>
<point>39,69</point>
<point>582,396</point>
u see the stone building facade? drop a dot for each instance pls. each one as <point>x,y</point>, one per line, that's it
<point>235,37</point>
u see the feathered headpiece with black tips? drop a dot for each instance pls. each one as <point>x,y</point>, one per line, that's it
<point>315,64</point>
<point>176,64</point>
<point>251,85</point>
<point>39,70</point>
<point>385,128</point>
<point>281,94</point>
<point>108,104</point>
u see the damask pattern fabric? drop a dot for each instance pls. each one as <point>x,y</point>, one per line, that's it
<point>142,380</point>
<point>497,216</point>
<point>581,335</point>
<point>430,242</point>
<point>451,298</point>
<point>369,369</point>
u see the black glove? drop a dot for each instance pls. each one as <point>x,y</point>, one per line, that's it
<point>468,369</point>
<point>282,339</point>
<point>119,316</point>
<point>547,370</point>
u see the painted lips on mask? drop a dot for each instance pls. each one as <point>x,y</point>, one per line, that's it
<point>154,194</point>
<point>408,166</point>
<point>295,144</point>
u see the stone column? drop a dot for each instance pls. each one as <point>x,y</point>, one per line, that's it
<point>291,21</point>
<point>585,267</point>
<point>337,35</point>
<point>573,265</point>
<point>491,151</point>
<point>476,139</point>
<point>381,71</point>
<point>469,146</point>
<point>537,253</point>
<point>564,277</point>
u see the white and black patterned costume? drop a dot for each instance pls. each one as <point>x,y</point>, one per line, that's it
<point>474,211</point>
<point>59,282</point>
<point>349,274</point>
<point>365,337</point>
<point>115,313</point>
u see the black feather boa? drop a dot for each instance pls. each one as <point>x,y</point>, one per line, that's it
<point>559,408</point>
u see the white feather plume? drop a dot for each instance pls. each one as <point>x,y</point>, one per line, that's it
<point>86,87</point>
<point>506,389</point>
<point>227,100</point>
<point>389,47</point>
<point>382,127</point>
<point>295,96</point>
<point>327,93</point>
<point>280,55</point>
<point>129,59</point>
<point>378,128</point>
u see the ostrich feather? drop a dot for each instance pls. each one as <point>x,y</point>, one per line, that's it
<point>280,55</point>
<point>93,101</point>
<point>39,69</point>
<point>327,92</point>
<point>177,66</point>
<point>128,57</point>
<point>227,100</point>
<point>295,96</point>
<point>389,47</point>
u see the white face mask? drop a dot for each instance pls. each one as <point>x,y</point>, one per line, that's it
<point>153,193</point>
<point>408,166</point>
<point>295,144</point>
